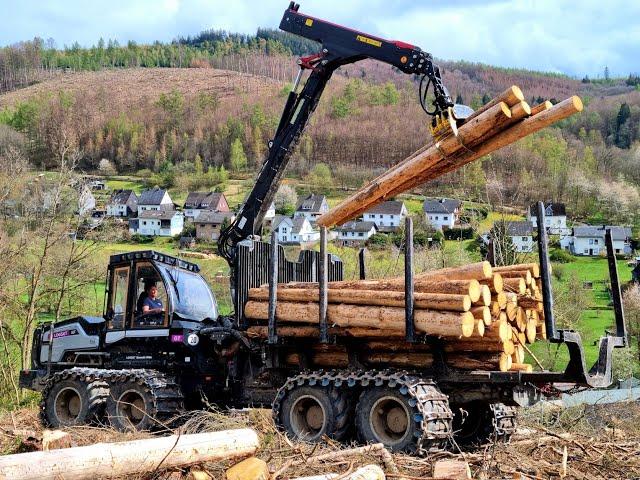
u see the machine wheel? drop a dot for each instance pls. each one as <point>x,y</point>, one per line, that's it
<point>411,420</point>
<point>68,400</point>
<point>479,422</point>
<point>310,412</point>
<point>142,400</point>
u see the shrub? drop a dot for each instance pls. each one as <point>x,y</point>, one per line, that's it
<point>137,238</point>
<point>560,256</point>
<point>458,233</point>
<point>379,240</point>
<point>559,271</point>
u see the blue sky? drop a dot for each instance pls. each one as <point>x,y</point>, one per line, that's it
<point>575,37</point>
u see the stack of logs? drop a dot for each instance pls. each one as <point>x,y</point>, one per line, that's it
<point>482,317</point>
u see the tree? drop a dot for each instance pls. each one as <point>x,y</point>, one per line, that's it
<point>285,200</point>
<point>606,74</point>
<point>320,178</point>
<point>631,301</point>
<point>238,158</point>
<point>106,167</point>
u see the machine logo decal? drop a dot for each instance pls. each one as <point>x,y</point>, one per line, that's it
<point>369,41</point>
<point>65,333</point>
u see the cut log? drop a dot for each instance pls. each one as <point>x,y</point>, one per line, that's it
<point>132,458</point>
<point>451,470</point>
<point>480,345</point>
<point>435,301</point>
<point>482,313</point>
<point>452,287</point>
<point>368,472</point>
<point>494,283</point>
<point>498,330</point>
<point>431,322</point>
<point>250,469</point>
<point>55,439</point>
<point>531,330</point>
<point>485,297</point>
<point>516,285</point>
<point>479,330</point>
<point>541,107</point>
<point>472,271</point>
<point>500,361</point>
<point>530,303</point>
<point>521,367</point>
<point>468,134</point>
<point>501,298</point>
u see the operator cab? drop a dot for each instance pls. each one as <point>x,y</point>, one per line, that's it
<point>151,292</point>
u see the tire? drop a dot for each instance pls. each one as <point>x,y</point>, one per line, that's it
<point>70,401</point>
<point>308,413</point>
<point>478,423</point>
<point>131,406</point>
<point>384,415</point>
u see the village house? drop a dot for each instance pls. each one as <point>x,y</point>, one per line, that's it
<point>86,201</point>
<point>521,235</point>
<point>387,216</point>
<point>295,230</point>
<point>442,213</point>
<point>208,224</point>
<point>98,185</point>
<point>589,240</point>
<point>355,233</point>
<point>269,216</point>
<point>123,203</point>
<point>311,207</point>
<point>157,223</point>
<point>555,217</point>
<point>154,199</point>
<point>197,202</point>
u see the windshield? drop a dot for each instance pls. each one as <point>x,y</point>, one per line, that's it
<point>190,296</point>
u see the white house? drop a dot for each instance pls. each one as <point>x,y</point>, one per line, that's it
<point>442,212</point>
<point>295,230</point>
<point>521,234</point>
<point>311,207</point>
<point>269,216</point>
<point>209,224</point>
<point>123,203</point>
<point>555,218</point>
<point>154,199</point>
<point>355,233</point>
<point>387,216</point>
<point>160,223</point>
<point>589,240</point>
<point>197,202</point>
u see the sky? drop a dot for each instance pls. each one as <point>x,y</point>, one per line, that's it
<point>575,37</point>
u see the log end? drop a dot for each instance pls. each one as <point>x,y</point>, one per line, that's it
<point>577,103</point>
<point>487,271</point>
<point>468,324</point>
<point>517,93</point>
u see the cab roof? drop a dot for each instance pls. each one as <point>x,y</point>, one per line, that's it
<point>155,256</point>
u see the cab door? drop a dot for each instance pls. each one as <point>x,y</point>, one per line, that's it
<point>119,305</point>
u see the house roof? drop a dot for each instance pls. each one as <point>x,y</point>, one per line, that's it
<point>519,229</point>
<point>298,224</point>
<point>278,219</point>
<point>164,214</point>
<point>551,209</point>
<point>311,203</point>
<point>123,197</point>
<point>391,207</point>
<point>441,205</point>
<point>152,196</point>
<point>357,227</point>
<point>595,231</point>
<point>201,200</point>
<point>212,217</point>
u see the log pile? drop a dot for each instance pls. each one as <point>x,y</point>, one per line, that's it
<point>483,316</point>
<point>503,121</point>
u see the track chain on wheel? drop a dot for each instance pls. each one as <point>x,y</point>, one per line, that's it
<point>504,420</point>
<point>97,393</point>
<point>434,415</point>
<point>168,400</point>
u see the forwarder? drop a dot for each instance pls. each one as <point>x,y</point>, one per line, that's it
<point>138,369</point>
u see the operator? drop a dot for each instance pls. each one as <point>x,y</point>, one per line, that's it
<point>152,304</point>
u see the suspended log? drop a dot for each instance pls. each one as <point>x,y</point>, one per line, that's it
<point>431,322</point>
<point>511,96</point>
<point>435,301</point>
<point>128,459</point>
<point>546,105</point>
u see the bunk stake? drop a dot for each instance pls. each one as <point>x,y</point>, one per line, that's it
<point>361,264</point>
<point>408,281</point>
<point>616,296</point>
<point>545,275</point>
<point>273,288</point>
<point>323,286</point>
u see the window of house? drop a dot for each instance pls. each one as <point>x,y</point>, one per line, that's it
<point>380,216</point>
<point>144,222</point>
<point>436,217</point>
<point>586,251</point>
<point>445,218</point>
<point>617,250</point>
<point>595,241</point>
<point>360,234</point>
<point>524,239</point>
<point>591,241</point>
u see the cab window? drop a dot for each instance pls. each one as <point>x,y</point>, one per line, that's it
<point>120,286</point>
<point>151,298</point>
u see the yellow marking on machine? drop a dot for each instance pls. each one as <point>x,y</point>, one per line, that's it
<point>308,22</point>
<point>369,41</point>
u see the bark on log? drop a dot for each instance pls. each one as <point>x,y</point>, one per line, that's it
<point>451,470</point>
<point>521,367</point>
<point>432,322</point>
<point>434,301</point>
<point>468,135</point>
<point>498,330</point>
<point>129,458</point>
<point>541,107</point>
<point>534,268</point>
<point>525,274</point>
<point>368,472</point>
<point>516,285</point>
<point>453,287</point>
<point>510,97</point>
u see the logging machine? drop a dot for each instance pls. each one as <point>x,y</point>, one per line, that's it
<point>137,366</point>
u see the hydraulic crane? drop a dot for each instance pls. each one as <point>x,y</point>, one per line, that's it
<point>339,46</point>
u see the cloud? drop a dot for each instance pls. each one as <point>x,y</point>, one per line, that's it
<point>561,35</point>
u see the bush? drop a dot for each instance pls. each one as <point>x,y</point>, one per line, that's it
<point>137,238</point>
<point>379,240</point>
<point>558,271</point>
<point>560,256</point>
<point>458,233</point>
